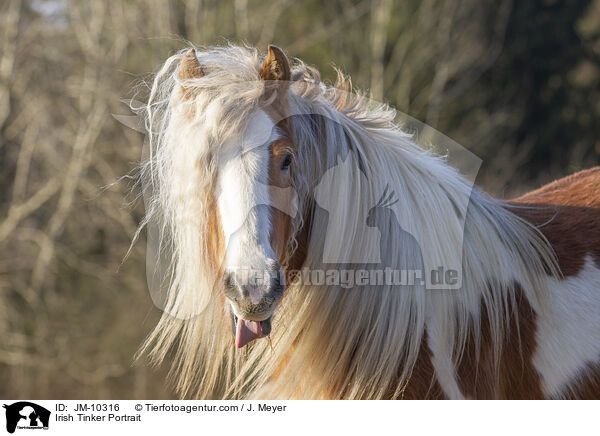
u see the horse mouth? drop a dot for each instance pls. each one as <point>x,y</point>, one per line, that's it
<point>247,331</point>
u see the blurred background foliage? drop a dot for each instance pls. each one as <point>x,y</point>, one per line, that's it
<point>517,83</point>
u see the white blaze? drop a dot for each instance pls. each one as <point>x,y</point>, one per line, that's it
<point>242,185</point>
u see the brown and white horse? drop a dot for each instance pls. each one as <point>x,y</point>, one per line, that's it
<point>241,146</point>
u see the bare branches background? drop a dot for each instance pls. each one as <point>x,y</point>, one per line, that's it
<point>515,83</point>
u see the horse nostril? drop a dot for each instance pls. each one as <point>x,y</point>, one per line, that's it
<point>273,268</point>
<point>276,281</point>
<point>228,280</point>
<point>230,287</point>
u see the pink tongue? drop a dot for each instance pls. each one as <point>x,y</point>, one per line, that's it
<point>247,331</point>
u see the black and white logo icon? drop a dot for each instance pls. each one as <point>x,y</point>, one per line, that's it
<point>26,415</point>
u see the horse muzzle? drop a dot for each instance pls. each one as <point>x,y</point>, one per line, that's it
<point>253,301</point>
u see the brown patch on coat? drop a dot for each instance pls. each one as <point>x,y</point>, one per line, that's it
<point>586,386</point>
<point>513,376</point>
<point>423,383</point>
<point>579,189</point>
<point>567,212</point>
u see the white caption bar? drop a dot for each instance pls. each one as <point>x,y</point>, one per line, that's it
<point>304,418</point>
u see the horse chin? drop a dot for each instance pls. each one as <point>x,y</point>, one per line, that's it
<point>245,331</point>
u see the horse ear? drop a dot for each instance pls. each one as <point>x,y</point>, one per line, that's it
<point>190,68</point>
<point>276,65</point>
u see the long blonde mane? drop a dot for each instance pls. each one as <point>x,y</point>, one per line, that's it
<point>326,341</point>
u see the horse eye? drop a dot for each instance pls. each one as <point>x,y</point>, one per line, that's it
<point>287,161</point>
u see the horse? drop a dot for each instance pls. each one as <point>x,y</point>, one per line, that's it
<point>241,145</point>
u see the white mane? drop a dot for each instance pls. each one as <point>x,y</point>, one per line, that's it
<point>326,341</point>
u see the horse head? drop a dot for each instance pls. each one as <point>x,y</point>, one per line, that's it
<point>253,199</point>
